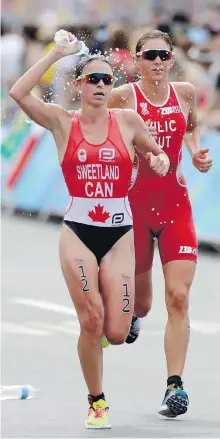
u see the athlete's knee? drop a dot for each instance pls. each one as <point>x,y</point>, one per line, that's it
<point>177,300</point>
<point>117,334</point>
<point>92,321</point>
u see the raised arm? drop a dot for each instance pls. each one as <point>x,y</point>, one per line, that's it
<point>46,115</point>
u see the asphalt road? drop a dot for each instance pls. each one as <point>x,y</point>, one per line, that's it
<point>39,338</point>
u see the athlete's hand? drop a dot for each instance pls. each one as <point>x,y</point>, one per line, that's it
<point>159,163</point>
<point>66,43</point>
<point>201,160</point>
<point>152,130</point>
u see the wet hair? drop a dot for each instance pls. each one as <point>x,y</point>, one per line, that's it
<point>151,35</point>
<point>86,60</point>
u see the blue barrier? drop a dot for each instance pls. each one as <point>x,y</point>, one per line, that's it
<point>41,187</point>
<point>204,191</point>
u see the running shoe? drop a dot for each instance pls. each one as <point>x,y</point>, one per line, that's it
<point>98,415</point>
<point>175,402</point>
<point>134,330</point>
<point>104,342</point>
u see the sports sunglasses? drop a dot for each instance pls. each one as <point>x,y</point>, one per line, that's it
<point>152,54</point>
<point>95,78</point>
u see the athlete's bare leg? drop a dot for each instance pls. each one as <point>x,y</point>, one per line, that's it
<point>117,288</point>
<point>80,270</point>
<point>143,293</point>
<point>178,279</point>
<point>143,303</point>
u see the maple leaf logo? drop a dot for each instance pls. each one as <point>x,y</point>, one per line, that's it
<point>98,214</point>
<point>82,156</point>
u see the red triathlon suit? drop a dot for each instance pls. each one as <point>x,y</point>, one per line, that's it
<point>98,179</point>
<point>160,205</point>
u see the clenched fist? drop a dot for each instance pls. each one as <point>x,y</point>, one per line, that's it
<point>159,163</point>
<point>68,44</point>
<point>201,160</point>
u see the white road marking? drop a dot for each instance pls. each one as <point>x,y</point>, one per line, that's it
<point>205,327</point>
<point>50,306</point>
<point>55,328</point>
<point>18,329</point>
<point>72,327</point>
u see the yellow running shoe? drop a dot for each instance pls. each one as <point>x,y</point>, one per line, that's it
<point>104,342</point>
<point>98,415</point>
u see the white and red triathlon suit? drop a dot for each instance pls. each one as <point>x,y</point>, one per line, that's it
<point>160,205</point>
<point>98,179</point>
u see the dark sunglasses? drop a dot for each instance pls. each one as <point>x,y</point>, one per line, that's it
<point>152,54</point>
<point>95,78</point>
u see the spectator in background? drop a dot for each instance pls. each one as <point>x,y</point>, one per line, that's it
<point>100,36</point>
<point>34,47</point>
<point>159,16</point>
<point>34,50</point>
<point>121,59</point>
<point>46,83</point>
<point>210,117</point>
<point>180,23</point>
<point>13,48</point>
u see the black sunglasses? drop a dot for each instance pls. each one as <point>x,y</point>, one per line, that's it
<point>152,54</point>
<point>95,78</point>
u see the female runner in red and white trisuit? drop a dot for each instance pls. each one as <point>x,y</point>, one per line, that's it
<point>161,207</point>
<point>96,151</point>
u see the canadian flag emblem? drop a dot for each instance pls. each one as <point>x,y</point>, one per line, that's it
<point>98,215</point>
<point>82,156</point>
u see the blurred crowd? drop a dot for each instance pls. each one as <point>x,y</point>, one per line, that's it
<point>197,57</point>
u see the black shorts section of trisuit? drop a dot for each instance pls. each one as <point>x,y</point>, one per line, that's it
<point>98,239</point>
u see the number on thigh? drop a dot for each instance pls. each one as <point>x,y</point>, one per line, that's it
<point>79,267</point>
<point>117,281</point>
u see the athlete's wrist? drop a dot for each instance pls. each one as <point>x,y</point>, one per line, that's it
<point>55,54</point>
